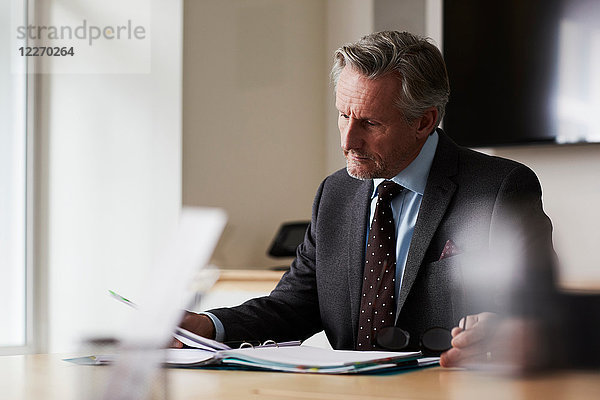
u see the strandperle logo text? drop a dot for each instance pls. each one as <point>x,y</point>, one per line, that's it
<point>91,33</point>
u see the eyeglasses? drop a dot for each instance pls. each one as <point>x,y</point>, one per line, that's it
<point>433,340</point>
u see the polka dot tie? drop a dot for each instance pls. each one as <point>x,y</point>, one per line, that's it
<point>377,305</point>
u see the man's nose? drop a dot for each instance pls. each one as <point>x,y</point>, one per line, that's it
<point>352,135</point>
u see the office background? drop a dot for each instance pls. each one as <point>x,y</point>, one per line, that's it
<point>237,112</point>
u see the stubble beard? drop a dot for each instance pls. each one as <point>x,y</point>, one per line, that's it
<point>358,171</point>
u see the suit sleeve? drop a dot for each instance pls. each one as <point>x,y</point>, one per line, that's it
<point>521,241</point>
<point>291,311</point>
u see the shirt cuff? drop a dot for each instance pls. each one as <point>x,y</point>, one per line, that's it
<point>219,328</point>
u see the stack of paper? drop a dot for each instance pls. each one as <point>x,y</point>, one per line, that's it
<point>317,360</point>
<point>284,357</point>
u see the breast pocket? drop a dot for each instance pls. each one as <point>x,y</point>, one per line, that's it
<point>443,285</point>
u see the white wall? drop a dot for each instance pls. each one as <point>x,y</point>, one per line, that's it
<point>109,168</point>
<point>570,178</point>
<point>253,117</point>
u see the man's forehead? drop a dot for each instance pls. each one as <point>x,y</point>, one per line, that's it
<point>355,89</point>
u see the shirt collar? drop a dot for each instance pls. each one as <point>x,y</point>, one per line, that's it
<point>414,176</point>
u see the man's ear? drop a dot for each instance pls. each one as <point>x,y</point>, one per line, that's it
<point>426,123</point>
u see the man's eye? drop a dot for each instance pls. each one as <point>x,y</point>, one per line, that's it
<point>371,123</point>
<point>342,115</point>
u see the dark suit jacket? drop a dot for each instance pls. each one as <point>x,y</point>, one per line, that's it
<point>468,198</point>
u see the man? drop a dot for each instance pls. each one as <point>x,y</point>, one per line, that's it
<point>442,201</point>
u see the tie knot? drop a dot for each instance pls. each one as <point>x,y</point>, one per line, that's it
<point>388,189</point>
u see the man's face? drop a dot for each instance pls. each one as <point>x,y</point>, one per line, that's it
<point>376,139</point>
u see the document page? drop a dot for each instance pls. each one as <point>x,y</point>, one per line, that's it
<point>313,357</point>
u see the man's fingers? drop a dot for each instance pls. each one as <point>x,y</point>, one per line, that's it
<point>471,321</point>
<point>478,327</point>
<point>450,358</point>
<point>455,357</point>
<point>465,323</point>
<point>469,337</point>
<point>176,344</point>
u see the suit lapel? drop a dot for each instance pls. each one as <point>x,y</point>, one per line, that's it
<point>356,248</point>
<point>438,193</point>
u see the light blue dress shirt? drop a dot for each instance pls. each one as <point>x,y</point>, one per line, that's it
<point>405,208</point>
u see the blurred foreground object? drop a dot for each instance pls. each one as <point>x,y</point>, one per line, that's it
<point>137,373</point>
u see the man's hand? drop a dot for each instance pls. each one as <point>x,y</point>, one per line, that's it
<point>472,341</point>
<point>511,345</point>
<point>196,323</point>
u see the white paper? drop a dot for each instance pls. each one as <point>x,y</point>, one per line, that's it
<point>198,342</point>
<point>187,356</point>
<point>314,357</point>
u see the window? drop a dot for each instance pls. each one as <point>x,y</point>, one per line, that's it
<point>13,183</point>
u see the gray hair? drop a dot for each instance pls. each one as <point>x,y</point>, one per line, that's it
<point>417,62</point>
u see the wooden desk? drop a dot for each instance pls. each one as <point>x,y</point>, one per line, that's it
<point>48,377</point>
<point>247,280</point>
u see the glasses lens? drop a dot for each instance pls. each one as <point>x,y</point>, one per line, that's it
<point>436,339</point>
<point>392,338</point>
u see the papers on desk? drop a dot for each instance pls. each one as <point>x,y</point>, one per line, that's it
<point>286,357</point>
<point>306,359</point>
<point>303,359</point>
<point>282,357</point>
